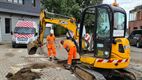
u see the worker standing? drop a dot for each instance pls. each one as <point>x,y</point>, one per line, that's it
<point>71,48</point>
<point>51,46</point>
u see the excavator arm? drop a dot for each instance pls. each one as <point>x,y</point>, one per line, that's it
<point>67,23</point>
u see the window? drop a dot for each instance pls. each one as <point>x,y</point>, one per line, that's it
<point>135,28</point>
<point>138,15</point>
<point>88,30</point>
<point>21,1</point>
<point>23,30</point>
<point>103,36</point>
<point>7,25</point>
<point>119,19</point>
<point>103,29</point>
<point>15,1</point>
<point>34,3</point>
<point>119,24</point>
<point>10,0</point>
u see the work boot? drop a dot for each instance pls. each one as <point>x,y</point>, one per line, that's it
<point>50,58</point>
<point>55,58</point>
<point>67,66</point>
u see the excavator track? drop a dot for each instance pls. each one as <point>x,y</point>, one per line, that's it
<point>120,74</point>
<point>86,73</point>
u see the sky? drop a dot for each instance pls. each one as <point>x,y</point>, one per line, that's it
<point>126,4</point>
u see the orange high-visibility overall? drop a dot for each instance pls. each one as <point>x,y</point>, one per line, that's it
<point>68,44</point>
<point>51,45</point>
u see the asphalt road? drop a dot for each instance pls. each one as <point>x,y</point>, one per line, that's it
<point>136,55</point>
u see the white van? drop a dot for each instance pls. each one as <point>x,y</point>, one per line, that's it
<point>24,32</point>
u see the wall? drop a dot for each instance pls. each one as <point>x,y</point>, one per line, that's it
<point>14,18</point>
<point>135,24</point>
<point>0,30</point>
<point>26,7</point>
<point>135,21</point>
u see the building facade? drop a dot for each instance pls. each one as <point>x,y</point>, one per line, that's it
<point>135,18</point>
<point>12,11</point>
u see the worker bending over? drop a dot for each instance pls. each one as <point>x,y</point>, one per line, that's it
<point>51,46</point>
<point>71,48</point>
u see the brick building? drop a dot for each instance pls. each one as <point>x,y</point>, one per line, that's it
<point>12,11</point>
<point>135,18</point>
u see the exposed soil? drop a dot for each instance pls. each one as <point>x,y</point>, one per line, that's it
<point>23,74</point>
<point>41,66</point>
<point>27,74</point>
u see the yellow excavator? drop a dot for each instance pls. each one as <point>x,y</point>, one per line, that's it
<point>108,54</point>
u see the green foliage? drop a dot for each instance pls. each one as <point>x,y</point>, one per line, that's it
<point>72,8</point>
<point>68,7</point>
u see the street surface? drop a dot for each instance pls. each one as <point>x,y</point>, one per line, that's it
<point>13,59</point>
<point>136,55</point>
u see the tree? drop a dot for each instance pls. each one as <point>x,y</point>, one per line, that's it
<point>72,8</point>
<point>68,7</point>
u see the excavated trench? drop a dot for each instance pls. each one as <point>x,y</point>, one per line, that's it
<point>27,73</point>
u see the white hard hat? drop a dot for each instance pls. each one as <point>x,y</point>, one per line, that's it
<point>52,31</point>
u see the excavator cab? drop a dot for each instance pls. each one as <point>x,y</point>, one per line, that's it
<point>103,23</point>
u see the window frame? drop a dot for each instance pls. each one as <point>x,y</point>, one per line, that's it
<point>8,26</point>
<point>34,3</point>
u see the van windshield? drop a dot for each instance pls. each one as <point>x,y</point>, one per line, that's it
<point>24,30</point>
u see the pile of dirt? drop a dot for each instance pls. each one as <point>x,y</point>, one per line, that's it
<point>23,74</point>
<point>27,74</point>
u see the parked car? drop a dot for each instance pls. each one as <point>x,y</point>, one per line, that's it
<point>135,38</point>
<point>24,32</point>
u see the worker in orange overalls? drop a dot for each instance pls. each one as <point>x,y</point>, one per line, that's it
<point>51,46</point>
<point>71,48</point>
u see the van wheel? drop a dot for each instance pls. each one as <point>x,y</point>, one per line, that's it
<point>14,45</point>
<point>138,44</point>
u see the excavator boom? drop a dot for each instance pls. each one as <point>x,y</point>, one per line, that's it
<point>67,23</point>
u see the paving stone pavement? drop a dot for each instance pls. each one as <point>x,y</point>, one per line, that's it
<point>13,59</point>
